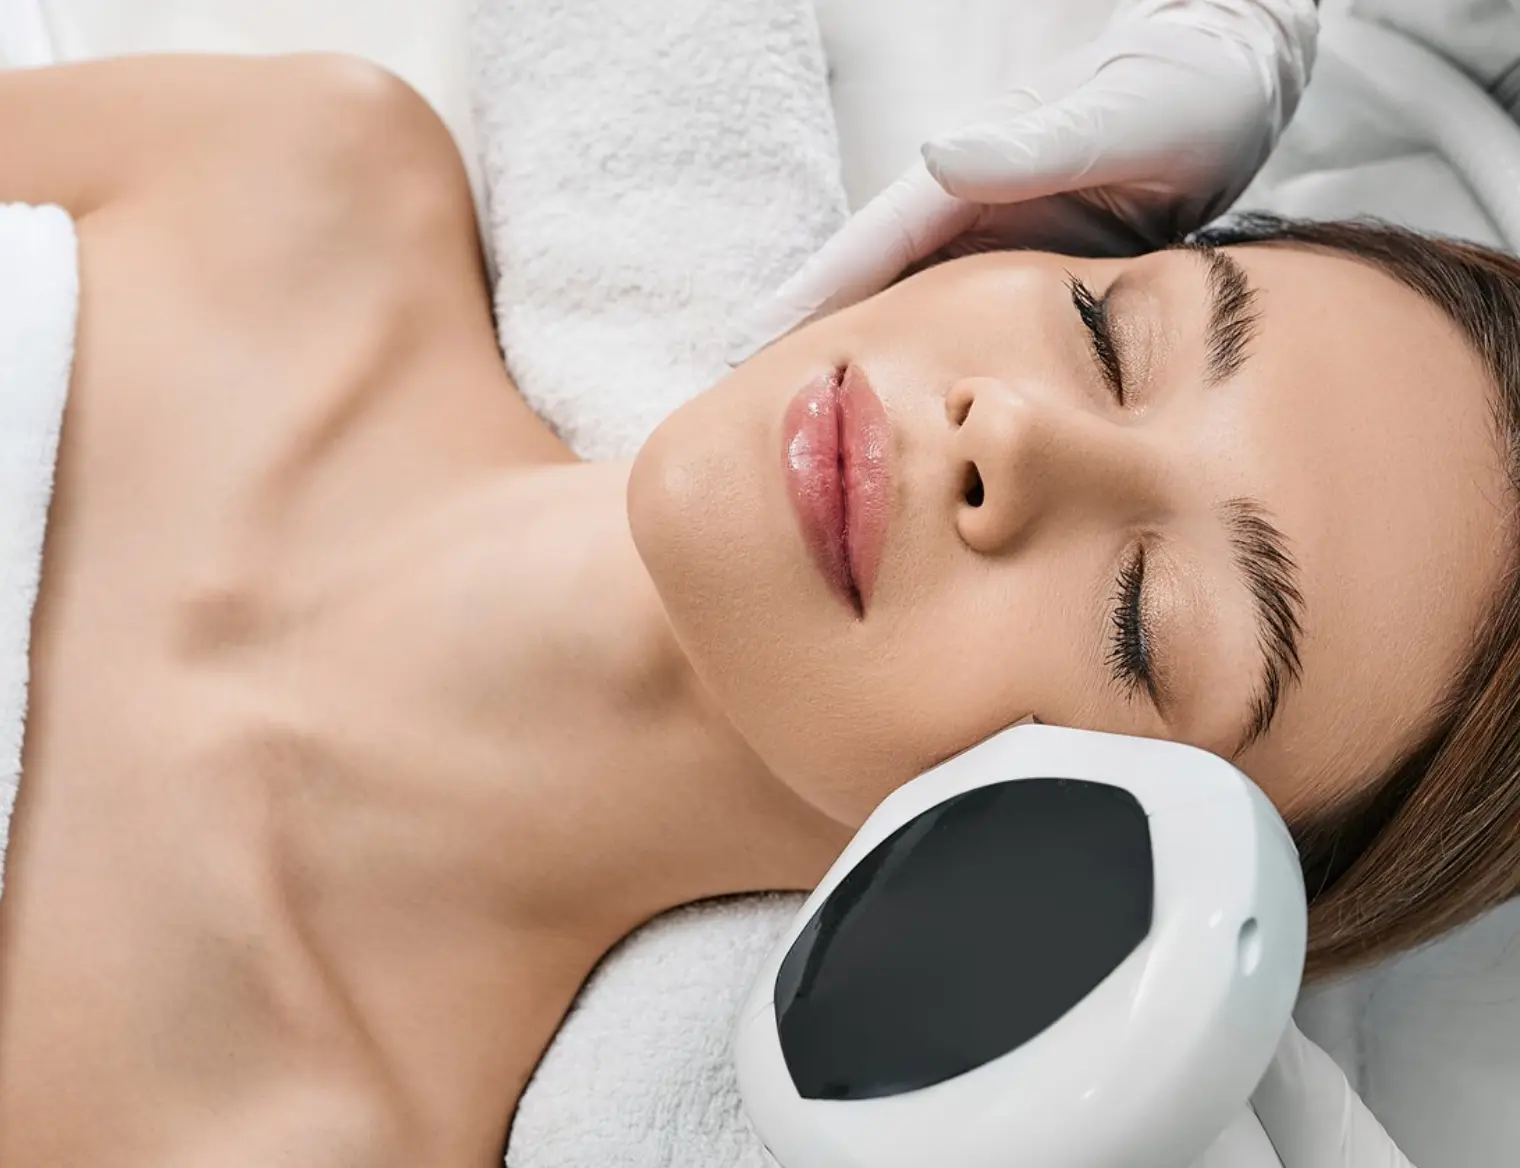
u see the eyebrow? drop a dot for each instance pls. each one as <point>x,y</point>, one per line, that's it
<point>1271,576</point>
<point>1233,315</point>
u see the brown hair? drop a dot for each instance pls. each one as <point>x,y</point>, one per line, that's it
<point>1436,841</point>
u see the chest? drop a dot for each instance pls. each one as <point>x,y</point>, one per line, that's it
<point>257,858</point>
<point>286,850</point>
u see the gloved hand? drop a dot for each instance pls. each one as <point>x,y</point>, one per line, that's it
<point>1313,1117</point>
<point>1148,132</point>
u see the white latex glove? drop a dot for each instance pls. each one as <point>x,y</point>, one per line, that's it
<point>1312,1116</point>
<point>1148,132</point>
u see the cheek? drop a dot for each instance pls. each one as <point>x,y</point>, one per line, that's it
<point>713,526</point>
<point>845,711</point>
<point>705,527</point>
<point>841,711</point>
<point>974,652</point>
<point>974,656</point>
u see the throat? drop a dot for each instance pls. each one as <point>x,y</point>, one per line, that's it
<point>607,784</point>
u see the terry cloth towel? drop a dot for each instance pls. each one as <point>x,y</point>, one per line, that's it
<point>39,298</point>
<point>652,168</point>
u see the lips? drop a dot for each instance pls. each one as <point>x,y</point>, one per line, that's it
<point>835,447</point>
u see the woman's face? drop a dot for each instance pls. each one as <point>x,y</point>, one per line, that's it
<point>1259,512</point>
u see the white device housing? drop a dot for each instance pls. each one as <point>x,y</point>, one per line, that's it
<point>1153,1063</point>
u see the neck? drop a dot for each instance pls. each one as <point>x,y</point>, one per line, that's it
<point>666,803</point>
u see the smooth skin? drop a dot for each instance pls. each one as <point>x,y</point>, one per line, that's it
<point>359,728</point>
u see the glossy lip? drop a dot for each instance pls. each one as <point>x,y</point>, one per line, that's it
<point>835,446</point>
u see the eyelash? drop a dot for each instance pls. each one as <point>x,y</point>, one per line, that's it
<point>1129,653</point>
<point>1094,315</point>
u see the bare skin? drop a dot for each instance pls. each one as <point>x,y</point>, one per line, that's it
<point>277,889</point>
<point>362,726</point>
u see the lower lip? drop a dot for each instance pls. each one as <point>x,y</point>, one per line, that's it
<point>834,454</point>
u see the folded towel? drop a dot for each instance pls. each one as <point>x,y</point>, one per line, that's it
<point>652,167</point>
<point>39,297</point>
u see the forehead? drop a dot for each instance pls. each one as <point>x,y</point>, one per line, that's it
<point>1368,428</point>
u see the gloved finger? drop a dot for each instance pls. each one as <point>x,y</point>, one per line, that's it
<point>910,219</point>
<point>1314,1118</point>
<point>1174,107</point>
<point>1089,139</point>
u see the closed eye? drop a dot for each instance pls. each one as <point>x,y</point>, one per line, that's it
<point>1129,653</point>
<point>1094,316</point>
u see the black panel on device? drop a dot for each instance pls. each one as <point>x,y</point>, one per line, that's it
<point>963,934</point>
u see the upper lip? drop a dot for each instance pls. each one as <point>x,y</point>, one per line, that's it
<point>835,449</point>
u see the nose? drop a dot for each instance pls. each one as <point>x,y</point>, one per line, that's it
<point>1029,455</point>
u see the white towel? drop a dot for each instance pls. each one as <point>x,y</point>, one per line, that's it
<point>652,167</point>
<point>24,38</point>
<point>39,297</point>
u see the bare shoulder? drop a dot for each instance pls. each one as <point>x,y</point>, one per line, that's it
<point>249,182</point>
<point>343,149</point>
<point>313,180</point>
<point>226,133</point>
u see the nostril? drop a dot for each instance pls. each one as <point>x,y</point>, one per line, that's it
<point>958,406</point>
<point>972,491</point>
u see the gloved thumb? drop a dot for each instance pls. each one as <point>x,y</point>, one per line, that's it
<point>1314,1118</point>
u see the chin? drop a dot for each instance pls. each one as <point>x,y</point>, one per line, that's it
<point>710,535</point>
<point>747,607</point>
